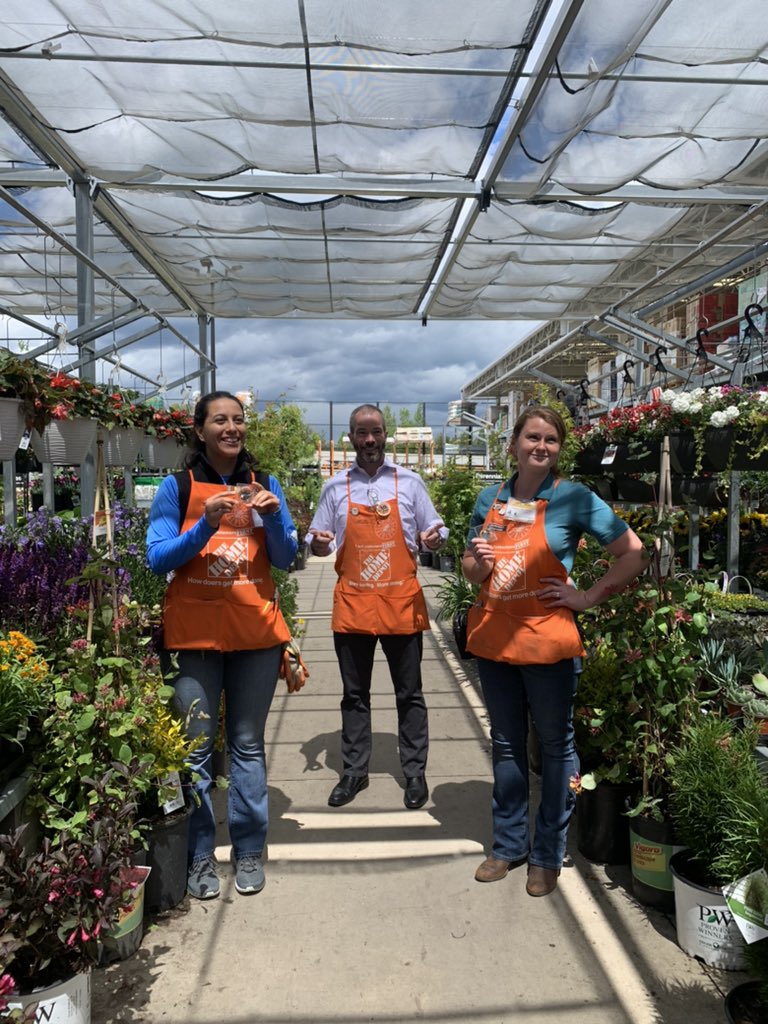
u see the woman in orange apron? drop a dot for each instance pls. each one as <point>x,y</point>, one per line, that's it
<point>217,527</point>
<point>522,542</point>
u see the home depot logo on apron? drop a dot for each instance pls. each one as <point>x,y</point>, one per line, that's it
<point>377,591</point>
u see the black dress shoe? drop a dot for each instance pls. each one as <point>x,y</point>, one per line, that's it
<point>347,789</point>
<point>416,793</point>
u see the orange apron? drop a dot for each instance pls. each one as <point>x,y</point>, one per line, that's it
<point>377,590</point>
<point>509,623</point>
<point>224,598</point>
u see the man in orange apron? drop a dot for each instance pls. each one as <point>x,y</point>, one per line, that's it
<point>377,516</point>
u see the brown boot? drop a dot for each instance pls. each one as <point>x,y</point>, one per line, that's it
<point>493,869</point>
<point>541,881</point>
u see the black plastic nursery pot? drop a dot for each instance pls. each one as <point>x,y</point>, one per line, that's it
<point>743,1004</point>
<point>602,827</point>
<point>166,855</point>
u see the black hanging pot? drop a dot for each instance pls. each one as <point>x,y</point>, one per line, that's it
<point>459,626</point>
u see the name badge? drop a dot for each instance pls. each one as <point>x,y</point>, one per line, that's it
<point>520,511</point>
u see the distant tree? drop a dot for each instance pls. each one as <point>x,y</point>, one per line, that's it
<point>280,440</point>
<point>408,419</point>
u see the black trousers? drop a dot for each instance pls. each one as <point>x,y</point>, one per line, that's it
<point>355,652</point>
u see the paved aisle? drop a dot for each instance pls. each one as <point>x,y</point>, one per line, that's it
<point>371,912</point>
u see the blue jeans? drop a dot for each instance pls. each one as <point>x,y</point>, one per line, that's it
<point>248,680</point>
<point>548,690</point>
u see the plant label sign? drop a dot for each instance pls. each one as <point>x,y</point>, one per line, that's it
<point>176,802</point>
<point>609,455</point>
<point>747,899</point>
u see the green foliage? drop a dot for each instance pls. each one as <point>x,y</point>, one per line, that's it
<point>279,440</point>
<point>607,720</point>
<point>543,395</point>
<point>455,594</point>
<point>288,591</point>
<point>454,493</point>
<point>719,798</point>
<point>652,629</point>
<point>110,706</point>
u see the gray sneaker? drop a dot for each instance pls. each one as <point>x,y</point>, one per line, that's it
<point>249,875</point>
<point>202,880</point>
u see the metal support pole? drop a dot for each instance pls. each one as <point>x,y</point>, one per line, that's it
<point>694,547</point>
<point>203,367</point>
<point>9,491</point>
<point>48,499</point>
<point>85,309</point>
<point>734,523</point>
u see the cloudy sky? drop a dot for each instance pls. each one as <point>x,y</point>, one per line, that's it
<point>315,362</point>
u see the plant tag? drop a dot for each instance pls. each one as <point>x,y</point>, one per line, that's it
<point>25,439</point>
<point>175,803</point>
<point>609,455</point>
<point>747,899</point>
<point>99,524</point>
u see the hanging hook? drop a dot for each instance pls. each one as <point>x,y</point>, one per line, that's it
<point>752,330</point>
<point>701,352</point>
<point>657,362</point>
<point>628,365</point>
<point>584,398</point>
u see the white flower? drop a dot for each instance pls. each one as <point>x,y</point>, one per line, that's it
<point>718,419</point>
<point>695,407</point>
<point>681,403</point>
<point>732,413</point>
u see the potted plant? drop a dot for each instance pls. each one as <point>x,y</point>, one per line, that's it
<point>736,668</point>
<point>747,1002</point>
<point>123,423</point>
<point>24,693</point>
<point>718,803</point>
<point>607,725</point>
<point>456,596</point>
<point>709,428</point>
<point>76,408</point>
<point>58,901</point>
<point>167,431</point>
<point>23,399</point>
<point>653,627</point>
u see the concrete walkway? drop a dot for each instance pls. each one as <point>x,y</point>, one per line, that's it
<point>371,912</point>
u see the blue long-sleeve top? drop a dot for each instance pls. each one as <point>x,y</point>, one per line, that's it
<point>167,549</point>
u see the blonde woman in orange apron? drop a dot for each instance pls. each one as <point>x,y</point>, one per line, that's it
<point>522,541</point>
<point>377,516</point>
<point>217,527</point>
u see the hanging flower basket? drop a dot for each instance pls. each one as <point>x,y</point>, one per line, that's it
<point>122,445</point>
<point>161,452</point>
<point>65,442</point>
<point>11,426</point>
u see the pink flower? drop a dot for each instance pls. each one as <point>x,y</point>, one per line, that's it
<point>98,893</point>
<point>7,985</point>
<point>53,896</point>
<point>633,655</point>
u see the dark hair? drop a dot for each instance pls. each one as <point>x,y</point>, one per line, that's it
<point>201,412</point>
<point>541,412</point>
<point>364,408</point>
